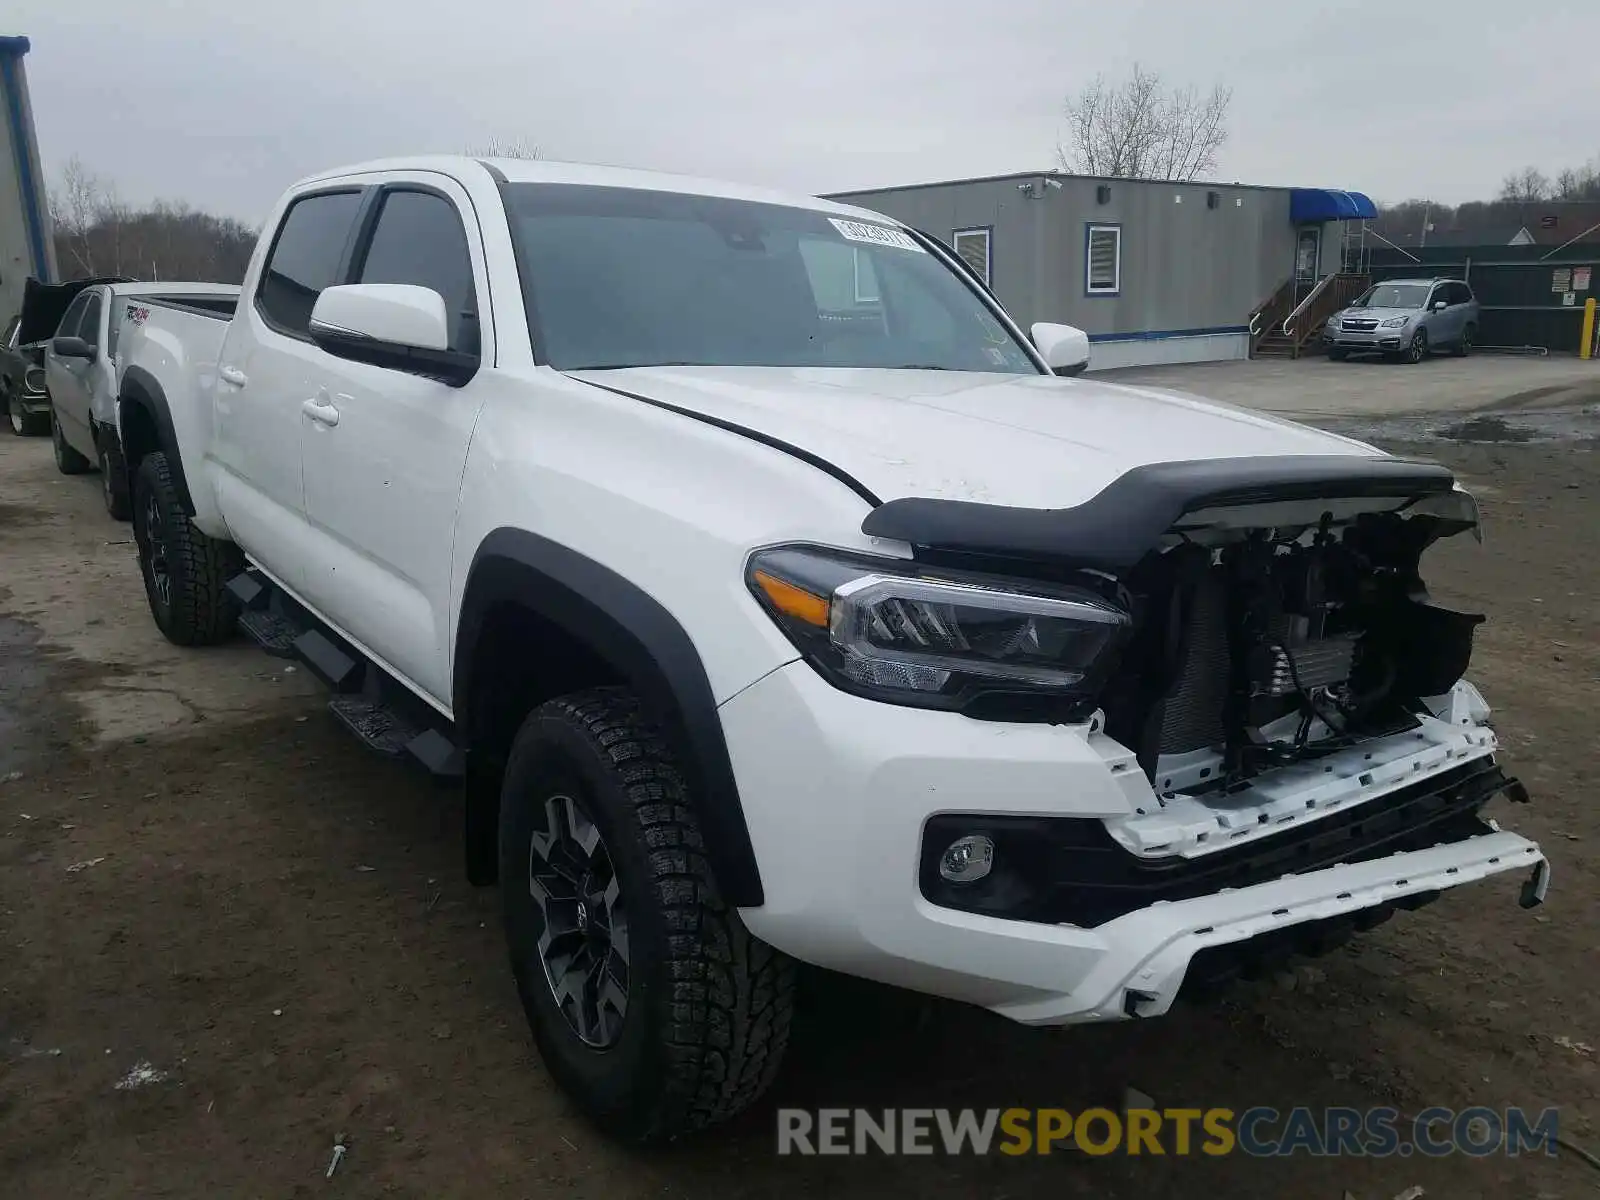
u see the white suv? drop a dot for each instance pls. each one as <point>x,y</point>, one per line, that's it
<point>774,598</point>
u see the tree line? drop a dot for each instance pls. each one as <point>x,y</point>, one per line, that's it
<point>97,235</point>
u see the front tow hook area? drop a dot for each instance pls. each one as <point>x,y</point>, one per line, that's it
<point>1535,886</point>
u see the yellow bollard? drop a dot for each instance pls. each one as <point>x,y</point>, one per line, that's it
<point>1586,347</point>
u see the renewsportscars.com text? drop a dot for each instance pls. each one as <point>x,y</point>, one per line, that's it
<point>1259,1132</point>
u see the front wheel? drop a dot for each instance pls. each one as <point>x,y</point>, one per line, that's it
<point>185,572</point>
<point>1337,354</point>
<point>1418,349</point>
<point>68,460</point>
<point>651,1003</point>
<point>114,485</point>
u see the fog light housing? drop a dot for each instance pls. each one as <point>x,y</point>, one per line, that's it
<point>967,859</point>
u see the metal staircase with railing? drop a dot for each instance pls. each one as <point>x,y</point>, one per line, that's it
<point>1289,327</point>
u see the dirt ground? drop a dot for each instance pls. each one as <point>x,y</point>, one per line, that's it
<point>208,892</point>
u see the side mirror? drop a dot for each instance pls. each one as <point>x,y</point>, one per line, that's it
<point>1438,305</point>
<point>1065,349</point>
<point>397,326</point>
<point>73,347</point>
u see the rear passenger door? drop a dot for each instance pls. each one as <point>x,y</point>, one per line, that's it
<point>268,368</point>
<point>385,450</point>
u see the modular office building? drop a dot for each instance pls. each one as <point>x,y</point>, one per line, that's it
<point>1154,272</point>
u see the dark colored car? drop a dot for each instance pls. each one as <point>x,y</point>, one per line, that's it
<point>22,382</point>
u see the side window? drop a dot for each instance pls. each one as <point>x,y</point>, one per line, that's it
<point>1463,294</point>
<point>305,258</point>
<point>71,319</point>
<point>89,329</point>
<point>419,240</point>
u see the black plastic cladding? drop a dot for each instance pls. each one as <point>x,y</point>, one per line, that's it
<point>1122,523</point>
<point>140,389</point>
<point>646,645</point>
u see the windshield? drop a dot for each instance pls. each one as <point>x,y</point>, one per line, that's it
<point>619,277</point>
<point>1394,295</point>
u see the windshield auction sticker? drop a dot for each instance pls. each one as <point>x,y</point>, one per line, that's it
<point>875,235</point>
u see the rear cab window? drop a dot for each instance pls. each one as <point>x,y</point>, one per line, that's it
<point>307,255</point>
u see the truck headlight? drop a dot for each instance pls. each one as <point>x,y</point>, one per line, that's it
<point>895,631</point>
<point>1395,322</point>
<point>1333,321</point>
<point>33,379</point>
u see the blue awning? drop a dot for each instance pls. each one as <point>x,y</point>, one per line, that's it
<point>1329,204</point>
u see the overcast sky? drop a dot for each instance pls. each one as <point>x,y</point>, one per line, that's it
<point>223,102</point>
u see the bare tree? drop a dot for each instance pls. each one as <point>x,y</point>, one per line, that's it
<point>1579,183</point>
<point>1526,185</point>
<point>97,234</point>
<point>505,148</point>
<point>75,208</point>
<point>1141,129</point>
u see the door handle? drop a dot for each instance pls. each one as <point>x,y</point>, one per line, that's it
<point>233,375</point>
<point>321,410</point>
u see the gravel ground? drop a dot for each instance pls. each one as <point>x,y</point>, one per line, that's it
<point>229,935</point>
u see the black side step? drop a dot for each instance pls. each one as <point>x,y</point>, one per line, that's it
<point>271,632</point>
<point>380,711</point>
<point>328,662</point>
<point>392,733</point>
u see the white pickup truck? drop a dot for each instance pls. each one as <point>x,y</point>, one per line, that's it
<point>767,616</point>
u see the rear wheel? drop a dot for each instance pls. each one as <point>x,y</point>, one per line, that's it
<point>68,460</point>
<point>651,1003</point>
<point>114,484</point>
<point>1469,335</point>
<point>185,572</point>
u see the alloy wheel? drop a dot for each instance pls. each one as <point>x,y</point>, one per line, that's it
<point>583,946</point>
<point>156,548</point>
<point>1419,346</point>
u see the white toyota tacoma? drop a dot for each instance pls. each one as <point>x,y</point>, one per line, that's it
<point>774,598</point>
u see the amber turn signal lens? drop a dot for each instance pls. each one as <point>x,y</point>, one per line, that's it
<point>794,601</point>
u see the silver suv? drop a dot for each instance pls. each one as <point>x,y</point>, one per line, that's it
<point>1405,319</point>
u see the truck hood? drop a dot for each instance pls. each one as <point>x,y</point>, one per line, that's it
<point>1029,441</point>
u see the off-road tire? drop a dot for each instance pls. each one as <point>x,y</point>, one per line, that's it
<point>197,609</point>
<point>114,485</point>
<point>68,460</point>
<point>708,1004</point>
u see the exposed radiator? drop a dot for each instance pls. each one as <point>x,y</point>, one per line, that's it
<point>1193,718</point>
<point>1195,713</point>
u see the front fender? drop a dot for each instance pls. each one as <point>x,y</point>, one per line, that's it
<point>645,645</point>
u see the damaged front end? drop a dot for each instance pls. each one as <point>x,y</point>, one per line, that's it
<point>1283,660</point>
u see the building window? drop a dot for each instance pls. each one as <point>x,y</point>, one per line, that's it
<point>1102,274</point>
<point>972,246</point>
